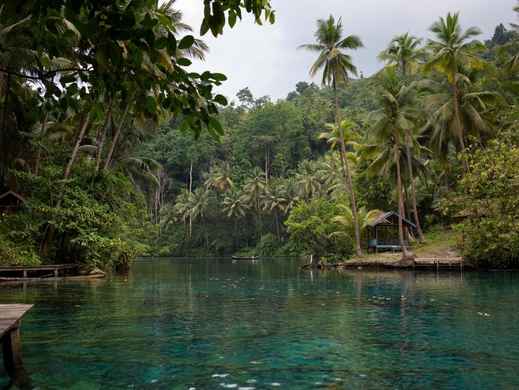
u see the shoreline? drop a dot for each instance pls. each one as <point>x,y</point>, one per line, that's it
<point>422,263</point>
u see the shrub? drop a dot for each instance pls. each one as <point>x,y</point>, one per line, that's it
<point>311,225</point>
<point>487,202</point>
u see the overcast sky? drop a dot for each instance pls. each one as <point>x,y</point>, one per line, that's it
<point>265,58</point>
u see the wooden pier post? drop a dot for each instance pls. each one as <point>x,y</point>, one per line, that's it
<point>10,321</point>
<point>12,351</point>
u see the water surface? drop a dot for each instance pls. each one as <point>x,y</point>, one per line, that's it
<point>209,324</point>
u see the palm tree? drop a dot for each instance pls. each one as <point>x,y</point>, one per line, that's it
<point>392,124</point>
<point>308,180</point>
<point>336,67</point>
<point>182,210</point>
<point>253,194</point>
<point>191,206</point>
<point>235,209</point>
<point>277,201</point>
<point>452,50</point>
<point>233,205</point>
<point>254,190</point>
<point>403,51</point>
<point>346,218</point>
<point>456,113</point>
<point>398,100</point>
<point>199,48</point>
<point>414,152</point>
<point>220,177</point>
<point>343,136</point>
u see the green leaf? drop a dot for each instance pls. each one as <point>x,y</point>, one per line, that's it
<point>186,42</point>
<point>272,18</point>
<point>204,28</point>
<point>161,43</point>
<point>184,62</point>
<point>232,18</point>
<point>215,125</point>
<point>219,77</point>
<point>220,99</point>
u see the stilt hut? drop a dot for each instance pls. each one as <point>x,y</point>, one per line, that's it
<point>383,232</point>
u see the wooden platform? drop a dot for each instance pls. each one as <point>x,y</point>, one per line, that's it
<point>25,272</point>
<point>10,320</point>
<point>454,263</point>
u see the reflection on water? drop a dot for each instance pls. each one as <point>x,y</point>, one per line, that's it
<point>209,324</point>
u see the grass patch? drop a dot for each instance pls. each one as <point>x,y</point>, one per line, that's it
<point>440,241</point>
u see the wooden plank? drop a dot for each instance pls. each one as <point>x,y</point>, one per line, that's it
<point>39,268</point>
<point>10,315</point>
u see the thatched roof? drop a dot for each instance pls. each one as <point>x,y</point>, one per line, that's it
<point>385,219</point>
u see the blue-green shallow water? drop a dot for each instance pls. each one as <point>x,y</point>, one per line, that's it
<point>209,324</point>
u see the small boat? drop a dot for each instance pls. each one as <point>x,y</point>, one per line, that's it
<point>245,257</point>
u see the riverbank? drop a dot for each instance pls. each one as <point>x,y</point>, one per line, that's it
<point>438,252</point>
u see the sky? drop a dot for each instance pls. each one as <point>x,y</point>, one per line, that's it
<point>265,58</point>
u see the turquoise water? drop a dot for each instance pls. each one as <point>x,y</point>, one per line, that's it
<point>210,324</point>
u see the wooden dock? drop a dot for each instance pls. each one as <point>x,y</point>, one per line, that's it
<point>53,270</point>
<point>10,321</point>
<point>432,263</point>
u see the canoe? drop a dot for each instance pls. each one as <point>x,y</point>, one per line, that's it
<point>245,257</point>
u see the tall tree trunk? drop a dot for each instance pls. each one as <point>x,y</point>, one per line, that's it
<point>401,208</point>
<point>266,164</point>
<point>413,188</point>
<point>38,153</point>
<point>191,176</point>
<point>348,182</point>
<point>85,121</point>
<point>116,136</point>
<point>100,141</point>
<point>460,132</point>
<point>276,221</point>
<point>190,191</point>
<point>3,136</point>
<point>50,229</point>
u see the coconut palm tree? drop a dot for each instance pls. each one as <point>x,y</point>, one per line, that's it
<point>392,123</point>
<point>404,52</point>
<point>220,177</point>
<point>456,113</point>
<point>452,50</point>
<point>182,210</point>
<point>308,179</point>
<point>344,136</point>
<point>336,66</point>
<point>191,206</point>
<point>235,209</point>
<point>277,201</point>
<point>253,195</point>
<point>199,48</point>
<point>253,191</point>
<point>233,205</point>
<point>398,105</point>
<point>346,218</point>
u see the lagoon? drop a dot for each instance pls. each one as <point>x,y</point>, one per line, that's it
<point>215,323</point>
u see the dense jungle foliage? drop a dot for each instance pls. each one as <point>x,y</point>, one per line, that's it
<point>113,149</point>
<point>273,183</point>
<point>82,84</point>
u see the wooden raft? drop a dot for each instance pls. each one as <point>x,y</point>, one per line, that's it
<point>10,321</point>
